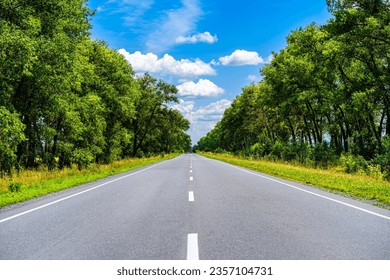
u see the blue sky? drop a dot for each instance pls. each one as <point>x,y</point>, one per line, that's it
<point>209,49</point>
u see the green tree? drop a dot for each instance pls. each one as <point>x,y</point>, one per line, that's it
<point>42,50</point>
<point>112,79</point>
<point>11,135</point>
<point>154,96</point>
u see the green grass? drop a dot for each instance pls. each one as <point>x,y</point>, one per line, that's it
<point>373,190</point>
<point>30,184</point>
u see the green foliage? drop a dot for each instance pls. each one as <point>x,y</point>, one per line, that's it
<point>321,155</point>
<point>277,149</point>
<point>256,150</point>
<point>353,164</point>
<point>383,159</point>
<point>157,128</point>
<point>11,135</point>
<point>14,187</point>
<point>66,99</point>
<point>220,151</point>
<point>82,157</point>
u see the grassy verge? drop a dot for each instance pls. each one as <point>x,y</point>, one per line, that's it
<point>36,183</point>
<point>376,191</point>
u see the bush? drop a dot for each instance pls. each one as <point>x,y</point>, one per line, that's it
<point>375,171</point>
<point>256,151</point>
<point>295,152</point>
<point>220,151</point>
<point>50,161</point>
<point>14,187</point>
<point>277,149</point>
<point>322,155</point>
<point>245,153</point>
<point>383,159</point>
<point>354,164</point>
<point>82,157</point>
<point>140,154</point>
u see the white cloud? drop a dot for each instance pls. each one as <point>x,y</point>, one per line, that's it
<point>205,118</point>
<point>252,78</point>
<point>242,57</point>
<point>186,108</point>
<point>202,119</point>
<point>212,112</point>
<point>204,37</point>
<point>174,24</point>
<point>203,87</point>
<point>167,64</point>
<point>270,58</point>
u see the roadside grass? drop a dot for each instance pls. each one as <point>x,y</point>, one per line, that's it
<point>362,187</point>
<point>30,184</point>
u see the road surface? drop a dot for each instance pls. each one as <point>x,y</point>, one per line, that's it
<point>192,207</point>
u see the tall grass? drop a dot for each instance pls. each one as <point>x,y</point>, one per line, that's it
<point>372,189</point>
<point>30,184</point>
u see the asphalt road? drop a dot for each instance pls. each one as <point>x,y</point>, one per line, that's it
<point>192,207</point>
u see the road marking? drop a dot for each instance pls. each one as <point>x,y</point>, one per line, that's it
<point>192,247</point>
<point>191,197</point>
<point>190,171</point>
<point>191,178</point>
<point>309,192</point>
<point>77,194</point>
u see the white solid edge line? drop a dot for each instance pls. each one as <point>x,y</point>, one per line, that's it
<point>192,247</point>
<point>77,194</point>
<point>309,192</point>
<point>191,196</point>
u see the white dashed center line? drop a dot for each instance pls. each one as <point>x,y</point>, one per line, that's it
<point>191,178</point>
<point>191,196</point>
<point>192,247</point>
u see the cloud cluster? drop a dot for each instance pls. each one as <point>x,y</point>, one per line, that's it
<point>185,108</point>
<point>242,57</point>
<point>167,65</point>
<point>202,119</point>
<point>212,112</point>
<point>203,88</point>
<point>204,37</point>
<point>186,68</point>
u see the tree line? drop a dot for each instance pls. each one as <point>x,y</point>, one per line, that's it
<point>323,99</point>
<point>67,99</point>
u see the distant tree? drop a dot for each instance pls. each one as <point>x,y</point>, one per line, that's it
<point>154,96</point>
